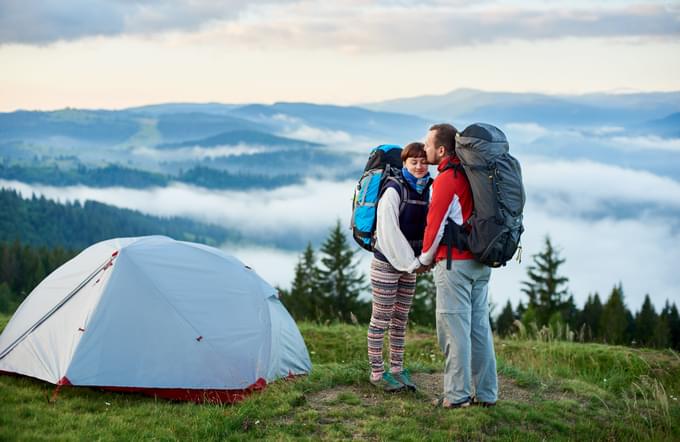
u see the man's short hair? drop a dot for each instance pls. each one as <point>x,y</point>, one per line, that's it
<point>413,150</point>
<point>445,135</point>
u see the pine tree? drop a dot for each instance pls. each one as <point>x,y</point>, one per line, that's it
<point>662,331</point>
<point>340,281</point>
<point>8,266</point>
<point>545,288</point>
<point>591,316</point>
<point>23,267</point>
<point>570,313</point>
<point>673,327</point>
<point>614,321</point>
<point>6,298</point>
<point>645,323</point>
<point>521,308</point>
<point>629,334</point>
<point>506,320</point>
<point>304,299</point>
<point>424,301</point>
<point>529,320</point>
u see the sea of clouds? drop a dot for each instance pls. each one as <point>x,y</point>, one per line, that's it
<point>610,223</point>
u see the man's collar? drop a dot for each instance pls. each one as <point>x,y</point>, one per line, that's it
<point>446,160</point>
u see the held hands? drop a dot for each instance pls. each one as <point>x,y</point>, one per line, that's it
<point>424,269</point>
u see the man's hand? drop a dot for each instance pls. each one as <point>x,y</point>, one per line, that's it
<point>424,269</point>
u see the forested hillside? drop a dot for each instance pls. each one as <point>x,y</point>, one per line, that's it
<point>114,175</point>
<point>41,222</point>
<point>22,267</point>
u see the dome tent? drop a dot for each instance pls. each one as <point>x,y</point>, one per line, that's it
<point>151,314</point>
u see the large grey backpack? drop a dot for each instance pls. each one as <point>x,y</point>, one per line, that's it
<point>495,177</point>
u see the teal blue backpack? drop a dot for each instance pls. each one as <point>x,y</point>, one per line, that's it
<point>384,163</point>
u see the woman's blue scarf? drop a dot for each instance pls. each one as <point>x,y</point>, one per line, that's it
<point>417,183</point>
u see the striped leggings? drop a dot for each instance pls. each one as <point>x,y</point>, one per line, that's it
<point>392,297</point>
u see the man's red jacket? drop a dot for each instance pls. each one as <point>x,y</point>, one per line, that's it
<point>451,199</point>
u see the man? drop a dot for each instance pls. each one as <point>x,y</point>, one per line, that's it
<point>463,327</point>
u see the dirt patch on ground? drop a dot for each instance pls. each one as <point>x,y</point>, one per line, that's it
<point>349,394</point>
<point>431,384</point>
<point>343,407</point>
<point>340,404</point>
<point>336,406</point>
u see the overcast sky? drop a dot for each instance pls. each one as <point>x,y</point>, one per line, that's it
<point>118,53</point>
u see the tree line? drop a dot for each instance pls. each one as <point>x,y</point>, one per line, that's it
<point>42,222</point>
<point>327,286</point>
<point>115,175</point>
<point>22,267</point>
<point>550,308</point>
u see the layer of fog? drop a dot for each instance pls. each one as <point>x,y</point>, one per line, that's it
<point>614,137</point>
<point>196,153</point>
<point>570,201</point>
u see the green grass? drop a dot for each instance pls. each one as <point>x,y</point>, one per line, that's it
<point>554,390</point>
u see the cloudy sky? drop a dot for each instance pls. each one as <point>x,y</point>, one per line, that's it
<point>118,53</point>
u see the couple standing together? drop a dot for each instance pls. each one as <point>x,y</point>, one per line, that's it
<point>410,240</point>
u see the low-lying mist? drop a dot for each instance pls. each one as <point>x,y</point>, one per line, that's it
<point>612,224</point>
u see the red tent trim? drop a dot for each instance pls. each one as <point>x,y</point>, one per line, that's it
<point>212,396</point>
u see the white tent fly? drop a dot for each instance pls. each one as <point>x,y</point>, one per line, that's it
<point>151,314</point>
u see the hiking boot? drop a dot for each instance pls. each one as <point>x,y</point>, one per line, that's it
<point>444,403</point>
<point>388,383</point>
<point>482,404</point>
<point>405,378</point>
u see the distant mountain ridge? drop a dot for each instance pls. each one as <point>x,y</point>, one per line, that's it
<point>398,120</point>
<point>666,127</point>
<point>469,105</point>
<point>174,123</point>
<point>184,108</point>
<point>315,140</point>
<point>88,126</point>
<point>235,137</point>
<point>390,125</point>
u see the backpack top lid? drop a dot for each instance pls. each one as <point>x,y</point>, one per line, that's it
<point>484,138</point>
<point>383,155</point>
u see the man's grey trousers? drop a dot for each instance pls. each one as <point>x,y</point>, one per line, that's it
<point>464,331</point>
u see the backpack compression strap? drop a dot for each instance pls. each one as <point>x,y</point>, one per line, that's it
<point>455,235</point>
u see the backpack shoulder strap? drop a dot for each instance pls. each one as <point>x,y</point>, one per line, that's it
<point>457,167</point>
<point>401,186</point>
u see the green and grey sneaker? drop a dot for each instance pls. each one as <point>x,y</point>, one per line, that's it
<point>388,383</point>
<point>405,378</point>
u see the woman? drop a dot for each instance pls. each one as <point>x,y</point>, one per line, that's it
<point>401,216</point>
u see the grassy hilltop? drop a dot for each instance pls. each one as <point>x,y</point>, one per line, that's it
<point>548,390</point>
